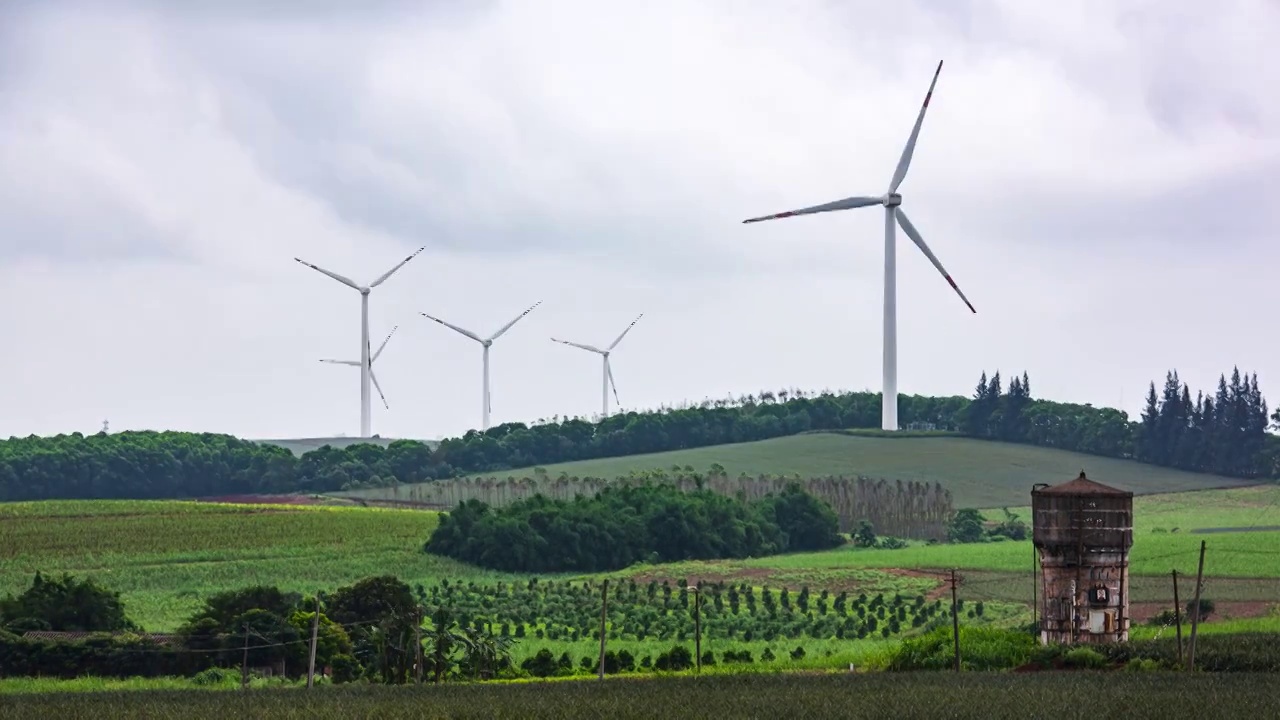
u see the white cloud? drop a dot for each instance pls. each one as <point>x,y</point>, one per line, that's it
<point>1094,179</point>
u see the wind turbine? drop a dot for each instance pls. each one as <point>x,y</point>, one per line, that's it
<point>608,373</point>
<point>485,343</point>
<point>365,374</point>
<point>892,202</point>
<point>372,358</point>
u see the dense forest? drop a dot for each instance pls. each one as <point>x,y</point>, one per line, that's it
<point>620,526</point>
<point>1224,433</point>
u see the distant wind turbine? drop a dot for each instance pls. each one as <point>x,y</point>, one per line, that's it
<point>892,202</point>
<point>484,343</point>
<point>608,373</point>
<point>365,374</point>
<point>372,358</point>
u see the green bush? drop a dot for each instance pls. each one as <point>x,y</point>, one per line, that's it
<point>345,669</point>
<point>1084,658</point>
<point>213,676</point>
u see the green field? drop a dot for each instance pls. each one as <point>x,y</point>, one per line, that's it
<point>989,696</point>
<point>166,556</point>
<point>978,473</point>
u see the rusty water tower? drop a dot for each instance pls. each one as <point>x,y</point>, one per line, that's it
<point>1082,531</point>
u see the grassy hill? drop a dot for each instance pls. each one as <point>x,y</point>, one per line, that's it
<point>298,446</point>
<point>978,473</point>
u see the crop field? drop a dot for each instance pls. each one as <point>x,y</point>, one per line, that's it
<point>166,556</point>
<point>978,473</point>
<point>1169,696</point>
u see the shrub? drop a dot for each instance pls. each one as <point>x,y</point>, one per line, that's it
<point>212,676</point>
<point>1084,658</point>
<point>677,658</point>
<point>345,669</point>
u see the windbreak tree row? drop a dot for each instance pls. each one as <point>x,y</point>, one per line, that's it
<point>1225,433</point>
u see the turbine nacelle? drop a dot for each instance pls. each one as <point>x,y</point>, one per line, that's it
<point>892,200</point>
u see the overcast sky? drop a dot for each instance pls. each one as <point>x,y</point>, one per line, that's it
<point>1100,178</point>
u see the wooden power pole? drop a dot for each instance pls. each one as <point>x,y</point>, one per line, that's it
<point>604,615</point>
<point>315,633</point>
<point>955,620</point>
<point>1177,614</point>
<point>244,662</point>
<point>417,645</point>
<point>697,627</point>
<point>1195,611</point>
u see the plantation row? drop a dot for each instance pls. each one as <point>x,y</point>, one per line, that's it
<point>902,509</point>
<point>1226,435</point>
<point>568,610</point>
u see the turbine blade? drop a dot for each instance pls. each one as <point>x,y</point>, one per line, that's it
<point>507,327</point>
<point>624,332</point>
<point>388,273</point>
<point>592,348</point>
<point>384,344</point>
<point>453,327</point>
<point>914,234</point>
<point>340,278</point>
<point>378,387</point>
<point>353,363</point>
<point>845,204</point>
<point>609,371</point>
<point>905,161</point>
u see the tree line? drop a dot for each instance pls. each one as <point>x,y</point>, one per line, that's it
<point>377,629</point>
<point>623,525</point>
<point>1226,434</point>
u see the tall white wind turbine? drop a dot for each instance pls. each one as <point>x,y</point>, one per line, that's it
<point>485,343</point>
<point>892,202</point>
<point>372,358</point>
<point>365,375</point>
<point>608,373</point>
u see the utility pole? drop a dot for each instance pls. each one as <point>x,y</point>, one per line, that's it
<point>697,627</point>
<point>1195,612</point>
<point>315,633</point>
<point>955,620</point>
<point>244,663</point>
<point>1035,591</point>
<point>1177,614</point>
<point>417,644</point>
<point>604,614</point>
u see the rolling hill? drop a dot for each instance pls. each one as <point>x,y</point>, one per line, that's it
<point>298,446</point>
<point>978,473</point>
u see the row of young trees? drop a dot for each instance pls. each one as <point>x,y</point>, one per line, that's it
<point>623,525</point>
<point>1225,433</point>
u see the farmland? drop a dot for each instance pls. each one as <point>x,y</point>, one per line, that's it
<point>978,473</point>
<point>1159,694</point>
<point>165,556</point>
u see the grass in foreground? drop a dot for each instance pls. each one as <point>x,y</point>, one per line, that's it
<point>972,695</point>
<point>977,472</point>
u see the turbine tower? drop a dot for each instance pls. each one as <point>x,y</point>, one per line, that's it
<point>608,373</point>
<point>892,202</point>
<point>372,358</point>
<point>484,343</point>
<point>364,290</point>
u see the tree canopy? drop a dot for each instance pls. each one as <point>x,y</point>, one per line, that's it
<point>623,525</point>
<point>1224,433</point>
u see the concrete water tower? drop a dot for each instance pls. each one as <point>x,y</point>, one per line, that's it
<point>1082,531</point>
